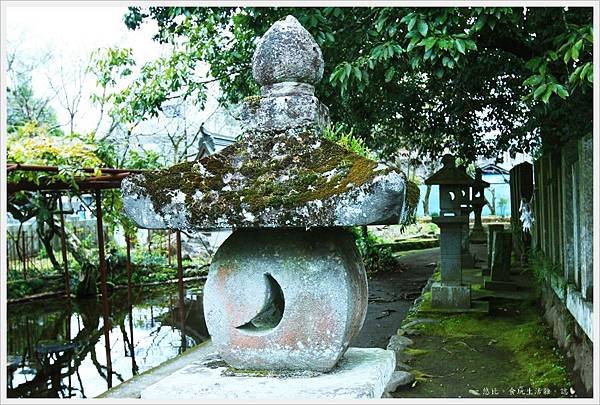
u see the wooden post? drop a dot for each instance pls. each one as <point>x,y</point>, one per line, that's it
<point>130,305</point>
<point>63,248</point>
<point>105,310</point>
<point>169,246</point>
<point>181,295</point>
<point>32,250</point>
<point>24,253</point>
<point>149,241</point>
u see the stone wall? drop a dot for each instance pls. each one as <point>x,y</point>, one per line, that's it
<point>569,336</point>
<point>562,238</point>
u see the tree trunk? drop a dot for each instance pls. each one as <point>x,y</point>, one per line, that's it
<point>426,201</point>
<point>89,269</point>
<point>492,205</point>
<point>46,233</point>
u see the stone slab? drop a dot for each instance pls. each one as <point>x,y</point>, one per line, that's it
<point>490,284</point>
<point>450,296</point>
<point>480,307</point>
<point>361,374</point>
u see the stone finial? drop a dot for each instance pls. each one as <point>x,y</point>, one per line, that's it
<point>287,53</point>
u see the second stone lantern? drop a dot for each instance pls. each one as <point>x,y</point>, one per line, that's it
<point>454,183</point>
<point>287,290</point>
<point>478,202</point>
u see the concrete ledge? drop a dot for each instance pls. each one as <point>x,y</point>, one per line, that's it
<point>361,373</point>
<point>133,387</point>
<point>582,310</point>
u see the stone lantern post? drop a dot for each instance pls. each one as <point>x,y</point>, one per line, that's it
<point>468,259</point>
<point>478,202</point>
<point>287,291</point>
<point>454,183</point>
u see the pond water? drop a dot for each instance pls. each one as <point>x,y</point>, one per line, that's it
<point>59,352</point>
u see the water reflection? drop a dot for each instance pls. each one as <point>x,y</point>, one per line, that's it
<point>58,351</point>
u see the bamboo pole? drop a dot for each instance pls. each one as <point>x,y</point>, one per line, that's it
<point>24,253</point>
<point>130,305</point>
<point>63,248</point>
<point>105,309</point>
<point>181,295</point>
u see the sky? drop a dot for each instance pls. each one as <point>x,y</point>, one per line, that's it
<point>71,33</point>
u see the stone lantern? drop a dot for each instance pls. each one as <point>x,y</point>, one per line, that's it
<point>478,202</point>
<point>468,259</point>
<point>454,183</point>
<point>287,291</point>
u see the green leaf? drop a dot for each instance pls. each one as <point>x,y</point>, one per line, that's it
<point>411,23</point>
<point>357,73</point>
<point>379,24</point>
<point>561,91</point>
<point>442,43</point>
<point>412,44</point>
<point>347,69</point>
<point>573,76</point>
<point>392,30</point>
<point>548,92</point>
<point>470,44</point>
<point>575,49</point>
<point>460,45</point>
<point>585,69</point>
<point>429,43</point>
<point>538,92</point>
<point>533,80</point>
<point>389,74</point>
<point>439,73</point>
<point>567,56</point>
<point>422,27</point>
<point>407,17</point>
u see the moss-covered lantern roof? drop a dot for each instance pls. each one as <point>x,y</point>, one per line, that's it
<point>281,173</point>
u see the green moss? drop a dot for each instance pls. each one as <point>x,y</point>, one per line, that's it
<point>523,333</point>
<point>230,371</point>
<point>253,101</point>
<point>259,172</point>
<point>415,352</point>
<point>412,244</point>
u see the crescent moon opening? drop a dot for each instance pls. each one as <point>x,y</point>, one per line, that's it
<point>271,313</point>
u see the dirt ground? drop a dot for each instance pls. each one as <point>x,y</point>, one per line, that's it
<point>391,295</point>
<point>506,353</point>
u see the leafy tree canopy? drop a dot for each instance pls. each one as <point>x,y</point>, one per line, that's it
<point>478,81</point>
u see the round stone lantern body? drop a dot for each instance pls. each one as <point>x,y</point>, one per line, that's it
<point>285,299</point>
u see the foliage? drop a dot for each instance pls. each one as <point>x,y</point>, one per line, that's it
<point>375,258</point>
<point>347,140</point>
<point>32,144</point>
<point>23,107</point>
<point>502,204</point>
<point>412,204</point>
<point>424,79</point>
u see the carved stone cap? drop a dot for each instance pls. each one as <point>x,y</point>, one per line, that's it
<point>287,53</point>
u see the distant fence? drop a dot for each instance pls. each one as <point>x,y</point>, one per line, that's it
<point>26,252</point>
<point>27,255</point>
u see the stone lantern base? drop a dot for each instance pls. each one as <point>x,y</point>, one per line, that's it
<point>449,296</point>
<point>361,374</point>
